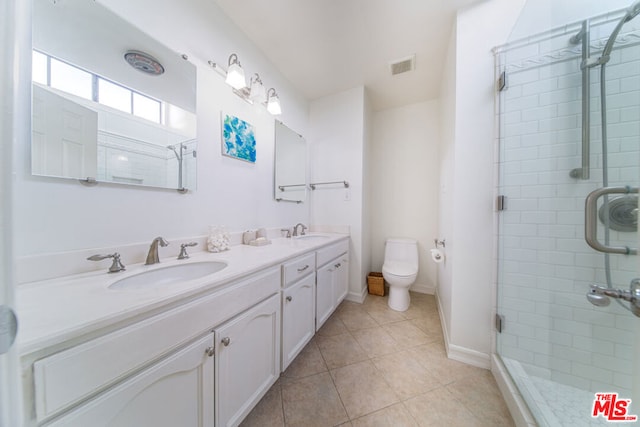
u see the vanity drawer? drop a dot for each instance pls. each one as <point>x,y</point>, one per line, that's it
<point>298,268</point>
<point>325,255</point>
<point>68,377</point>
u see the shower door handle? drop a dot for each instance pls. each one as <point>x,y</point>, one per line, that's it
<point>591,220</point>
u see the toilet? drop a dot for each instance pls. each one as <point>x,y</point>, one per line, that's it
<point>400,270</point>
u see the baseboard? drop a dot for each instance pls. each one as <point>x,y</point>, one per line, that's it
<point>443,324</point>
<point>468,356</point>
<point>512,397</point>
<point>461,354</point>
<point>423,289</point>
<point>357,297</point>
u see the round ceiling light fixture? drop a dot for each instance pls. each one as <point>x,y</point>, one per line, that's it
<point>144,62</point>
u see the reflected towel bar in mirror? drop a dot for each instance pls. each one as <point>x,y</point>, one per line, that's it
<point>314,184</point>
<point>283,187</point>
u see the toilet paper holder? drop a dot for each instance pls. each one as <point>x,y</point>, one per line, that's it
<point>438,242</point>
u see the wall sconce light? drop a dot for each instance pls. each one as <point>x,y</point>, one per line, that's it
<point>257,92</point>
<point>273,102</point>
<point>235,73</point>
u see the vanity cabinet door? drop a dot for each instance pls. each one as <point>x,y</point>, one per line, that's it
<point>247,360</point>
<point>298,317</point>
<point>176,391</point>
<point>325,302</point>
<point>341,282</point>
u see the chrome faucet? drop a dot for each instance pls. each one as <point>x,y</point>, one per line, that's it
<point>116,265</point>
<point>295,229</point>
<point>152,256</point>
<point>183,250</point>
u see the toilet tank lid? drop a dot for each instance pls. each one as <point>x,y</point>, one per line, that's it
<point>402,240</point>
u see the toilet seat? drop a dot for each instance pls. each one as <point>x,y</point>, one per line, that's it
<point>399,268</point>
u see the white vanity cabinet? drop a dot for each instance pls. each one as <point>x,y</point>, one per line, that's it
<point>155,361</point>
<point>247,361</point>
<point>332,282</point>
<point>177,391</point>
<point>298,305</point>
<point>325,304</point>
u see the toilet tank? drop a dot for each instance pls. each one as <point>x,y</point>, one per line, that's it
<point>405,250</point>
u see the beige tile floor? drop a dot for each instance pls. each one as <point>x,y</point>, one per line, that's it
<point>372,366</point>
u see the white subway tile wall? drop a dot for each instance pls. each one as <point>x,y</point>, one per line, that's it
<point>141,157</point>
<point>545,265</point>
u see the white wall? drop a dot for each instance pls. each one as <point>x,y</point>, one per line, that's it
<point>14,110</point>
<point>447,161</point>
<point>338,147</point>
<point>404,183</point>
<point>467,292</point>
<point>61,215</point>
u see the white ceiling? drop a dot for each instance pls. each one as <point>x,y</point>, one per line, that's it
<point>326,46</point>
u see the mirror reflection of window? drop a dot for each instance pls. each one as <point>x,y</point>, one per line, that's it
<point>70,79</point>
<point>94,115</point>
<point>146,108</point>
<point>114,96</point>
<point>39,68</point>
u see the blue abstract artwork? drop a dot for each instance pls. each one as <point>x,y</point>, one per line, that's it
<point>238,139</point>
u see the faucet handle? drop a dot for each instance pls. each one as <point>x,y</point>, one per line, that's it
<point>116,265</point>
<point>286,230</point>
<point>183,250</point>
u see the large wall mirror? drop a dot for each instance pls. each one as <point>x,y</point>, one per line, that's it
<point>290,165</point>
<point>110,103</point>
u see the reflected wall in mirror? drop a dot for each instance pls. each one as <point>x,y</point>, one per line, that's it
<point>290,165</point>
<point>98,115</point>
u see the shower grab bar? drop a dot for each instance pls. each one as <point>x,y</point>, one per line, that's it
<point>584,36</point>
<point>591,220</point>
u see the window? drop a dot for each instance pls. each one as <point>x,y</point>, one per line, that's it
<point>50,71</point>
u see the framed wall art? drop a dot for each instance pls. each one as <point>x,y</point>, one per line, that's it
<point>238,139</point>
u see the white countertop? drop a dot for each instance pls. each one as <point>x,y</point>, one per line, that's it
<point>57,310</point>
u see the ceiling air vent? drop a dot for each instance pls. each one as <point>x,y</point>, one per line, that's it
<point>403,65</point>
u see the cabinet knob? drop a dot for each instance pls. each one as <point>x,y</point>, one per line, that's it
<point>289,298</point>
<point>226,341</point>
<point>338,265</point>
<point>210,351</point>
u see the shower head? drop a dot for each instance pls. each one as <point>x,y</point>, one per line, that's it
<point>597,299</point>
<point>632,12</point>
<point>173,148</point>
<point>178,153</point>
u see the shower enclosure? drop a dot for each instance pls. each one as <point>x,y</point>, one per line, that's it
<point>569,171</point>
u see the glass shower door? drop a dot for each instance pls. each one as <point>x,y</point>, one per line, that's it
<point>571,349</point>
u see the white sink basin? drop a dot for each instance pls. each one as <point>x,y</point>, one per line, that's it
<point>164,276</point>
<point>312,237</point>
